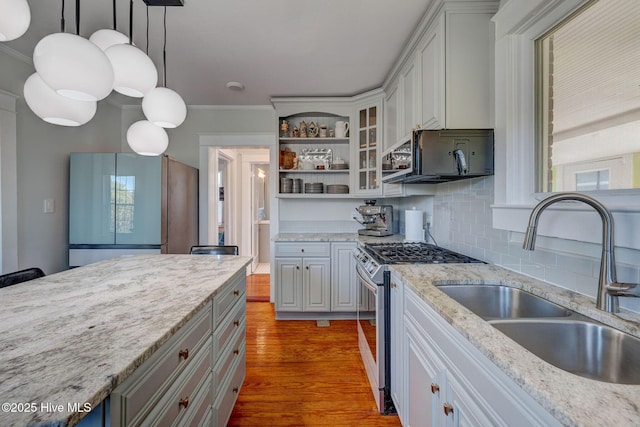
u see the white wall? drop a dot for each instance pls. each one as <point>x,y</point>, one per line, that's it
<point>43,168</point>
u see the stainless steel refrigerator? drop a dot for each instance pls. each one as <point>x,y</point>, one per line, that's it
<point>122,203</point>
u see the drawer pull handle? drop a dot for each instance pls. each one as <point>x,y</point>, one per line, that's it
<point>236,292</point>
<point>183,354</point>
<point>183,403</point>
<point>448,409</point>
<point>434,388</point>
<point>236,351</point>
<point>235,389</point>
<point>236,323</point>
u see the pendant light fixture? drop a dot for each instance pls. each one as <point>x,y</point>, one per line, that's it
<point>135,73</point>
<point>161,105</point>
<point>73,66</point>
<point>54,108</point>
<point>106,38</point>
<point>14,19</point>
<point>147,139</point>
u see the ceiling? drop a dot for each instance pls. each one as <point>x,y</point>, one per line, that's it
<point>272,47</point>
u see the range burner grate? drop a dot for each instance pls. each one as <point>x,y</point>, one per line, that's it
<point>415,253</point>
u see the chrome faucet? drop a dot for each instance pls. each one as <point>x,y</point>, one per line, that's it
<point>609,289</point>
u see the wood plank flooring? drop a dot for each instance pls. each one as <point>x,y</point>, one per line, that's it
<point>258,287</point>
<point>302,375</point>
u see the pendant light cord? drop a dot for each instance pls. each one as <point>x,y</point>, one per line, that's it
<point>164,49</point>
<point>131,22</point>
<point>147,30</point>
<point>62,27</point>
<point>77,17</point>
<point>114,16</point>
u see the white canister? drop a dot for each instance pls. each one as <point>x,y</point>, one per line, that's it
<point>414,225</point>
<point>341,129</point>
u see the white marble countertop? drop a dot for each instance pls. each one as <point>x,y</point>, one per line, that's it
<point>573,400</point>
<point>72,337</point>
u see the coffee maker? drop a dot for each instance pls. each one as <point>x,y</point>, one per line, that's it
<point>377,220</point>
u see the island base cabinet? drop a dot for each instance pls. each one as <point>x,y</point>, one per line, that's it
<point>194,378</point>
<point>451,383</point>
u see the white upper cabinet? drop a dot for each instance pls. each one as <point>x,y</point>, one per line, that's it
<point>445,77</point>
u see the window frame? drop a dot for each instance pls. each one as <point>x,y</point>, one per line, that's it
<point>519,23</point>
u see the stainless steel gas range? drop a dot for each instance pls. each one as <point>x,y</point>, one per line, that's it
<point>374,313</point>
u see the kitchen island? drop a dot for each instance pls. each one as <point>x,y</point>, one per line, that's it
<point>571,400</point>
<point>68,340</point>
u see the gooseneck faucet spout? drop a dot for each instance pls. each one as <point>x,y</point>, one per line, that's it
<point>608,288</point>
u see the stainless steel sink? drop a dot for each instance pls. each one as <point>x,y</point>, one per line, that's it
<point>584,348</point>
<point>502,302</point>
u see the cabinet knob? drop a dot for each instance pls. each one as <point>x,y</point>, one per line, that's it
<point>183,354</point>
<point>393,285</point>
<point>307,267</point>
<point>448,409</point>
<point>302,250</point>
<point>434,388</point>
<point>236,292</point>
<point>236,351</point>
<point>236,323</point>
<point>184,403</point>
<point>297,267</point>
<point>235,390</point>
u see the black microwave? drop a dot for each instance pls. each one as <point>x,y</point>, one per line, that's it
<point>432,156</point>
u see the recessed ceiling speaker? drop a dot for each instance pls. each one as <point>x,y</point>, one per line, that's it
<point>164,2</point>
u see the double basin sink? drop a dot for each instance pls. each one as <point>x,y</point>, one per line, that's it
<point>561,337</point>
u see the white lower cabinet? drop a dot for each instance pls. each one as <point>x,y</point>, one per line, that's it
<point>344,289</point>
<point>315,277</point>
<point>450,383</point>
<point>194,378</point>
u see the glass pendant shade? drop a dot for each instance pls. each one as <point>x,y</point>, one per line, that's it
<point>135,74</point>
<point>14,19</point>
<point>147,139</point>
<point>73,67</point>
<point>106,38</point>
<point>56,109</point>
<point>164,107</point>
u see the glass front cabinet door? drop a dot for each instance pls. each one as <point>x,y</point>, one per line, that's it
<point>368,140</point>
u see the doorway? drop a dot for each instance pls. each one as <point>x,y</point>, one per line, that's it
<point>239,211</point>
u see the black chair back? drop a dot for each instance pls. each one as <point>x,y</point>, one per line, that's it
<point>214,250</point>
<point>20,276</point>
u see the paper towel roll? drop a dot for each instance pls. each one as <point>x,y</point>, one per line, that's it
<point>413,225</point>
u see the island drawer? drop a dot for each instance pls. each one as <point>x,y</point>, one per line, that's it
<point>302,249</point>
<point>175,405</point>
<point>228,296</point>
<point>233,322</point>
<point>227,359</point>
<point>133,399</point>
<point>199,411</point>
<point>228,393</point>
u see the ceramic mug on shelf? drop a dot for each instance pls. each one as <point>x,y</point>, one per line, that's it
<point>341,129</point>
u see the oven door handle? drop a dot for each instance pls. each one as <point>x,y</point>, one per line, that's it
<point>366,281</point>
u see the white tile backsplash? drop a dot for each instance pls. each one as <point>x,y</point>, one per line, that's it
<point>463,222</point>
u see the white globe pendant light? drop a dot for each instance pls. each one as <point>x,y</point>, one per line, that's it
<point>73,67</point>
<point>147,139</point>
<point>56,109</point>
<point>106,38</point>
<point>15,17</point>
<point>164,107</point>
<point>135,74</point>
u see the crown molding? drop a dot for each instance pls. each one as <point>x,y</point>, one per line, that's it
<point>17,55</point>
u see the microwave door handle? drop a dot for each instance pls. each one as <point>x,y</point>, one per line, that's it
<point>461,162</point>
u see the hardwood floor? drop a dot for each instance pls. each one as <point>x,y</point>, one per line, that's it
<point>258,287</point>
<point>301,375</point>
